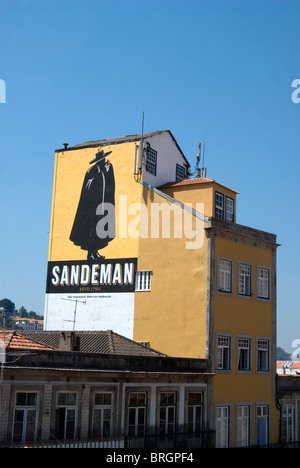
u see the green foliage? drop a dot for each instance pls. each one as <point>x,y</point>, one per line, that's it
<point>282,355</point>
<point>8,306</point>
<point>8,314</point>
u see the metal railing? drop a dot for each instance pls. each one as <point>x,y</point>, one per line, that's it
<point>204,439</point>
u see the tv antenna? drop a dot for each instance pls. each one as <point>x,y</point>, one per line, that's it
<point>2,342</point>
<point>75,310</point>
<point>139,155</point>
<point>200,171</point>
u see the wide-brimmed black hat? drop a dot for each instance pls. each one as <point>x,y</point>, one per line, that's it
<point>100,155</point>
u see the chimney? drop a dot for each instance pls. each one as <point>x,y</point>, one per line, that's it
<point>67,341</point>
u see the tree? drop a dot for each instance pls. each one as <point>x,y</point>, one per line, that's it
<point>8,306</point>
<point>22,312</point>
<point>282,355</point>
<point>32,314</point>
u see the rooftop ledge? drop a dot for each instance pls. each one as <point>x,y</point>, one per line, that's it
<point>214,223</point>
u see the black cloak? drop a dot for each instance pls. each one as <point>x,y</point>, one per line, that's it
<point>98,188</point>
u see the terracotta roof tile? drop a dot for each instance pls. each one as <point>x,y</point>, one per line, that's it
<point>102,342</point>
<point>201,180</point>
<point>13,339</point>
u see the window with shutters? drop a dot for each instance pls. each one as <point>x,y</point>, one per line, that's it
<point>143,281</point>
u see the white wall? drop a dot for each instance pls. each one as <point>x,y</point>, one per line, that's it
<point>168,155</point>
<point>111,311</point>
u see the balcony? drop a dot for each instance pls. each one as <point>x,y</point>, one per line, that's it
<point>204,439</point>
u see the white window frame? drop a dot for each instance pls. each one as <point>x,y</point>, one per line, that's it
<point>245,273</point>
<point>180,172</point>
<point>225,276</point>
<point>68,409</point>
<point>262,415</point>
<point>26,409</point>
<point>263,345</point>
<point>243,424</point>
<point>102,407</point>
<point>170,408</point>
<point>222,424</point>
<point>288,422</point>
<point>223,352</point>
<point>219,205</point>
<point>138,409</point>
<point>194,411</point>
<point>143,281</point>
<point>229,209</point>
<point>151,160</point>
<point>263,285</point>
<point>244,346</point>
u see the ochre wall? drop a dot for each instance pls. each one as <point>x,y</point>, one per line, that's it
<point>244,316</point>
<point>172,316</point>
<point>70,169</point>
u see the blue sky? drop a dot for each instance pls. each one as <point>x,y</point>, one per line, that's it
<point>218,71</point>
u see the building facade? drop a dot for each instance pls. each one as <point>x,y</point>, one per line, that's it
<point>62,398</point>
<point>139,247</point>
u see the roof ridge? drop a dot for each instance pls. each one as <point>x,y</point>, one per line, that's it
<point>197,180</point>
<point>125,338</point>
<point>111,341</point>
<point>122,139</point>
<point>114,140</point>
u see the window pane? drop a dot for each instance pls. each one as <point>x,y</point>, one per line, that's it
<point>245,280</point>
<point>162,415</point>
<point>222,427</point>
<point>142,281</point>
<point>243,426</point>
<point>60,423</point>
<point>30,425</point>
<point>106,423</point>
<point>31,399</point>
<point>243,354</point>
<point>71,399</point>
<point>70,424</point>
<point>219,207</point>
<point>103,399</point>
<point>21,399</point>
<point>263,283</point>
<point>66,399</point>
<point>229,209</point>
<point>18,426</point>
<point>262,426</point>
<point>194,398</point>
<point>223,352</point>
<point>151,161</point>
<point>224,275</point>
<point>180,172</point>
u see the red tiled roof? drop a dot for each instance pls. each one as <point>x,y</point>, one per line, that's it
<point>201,180</point>
<point>101,342</point>
<point>30,320</point>
<point>280,363</point>
<point>295,365</point>
<point>12,339</point>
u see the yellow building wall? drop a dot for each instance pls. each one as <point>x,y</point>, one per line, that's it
<point>192,194</point>
<point>243,316</point>
<point>69,172</point>
<point>202,192</point>
<point>172,316</point>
